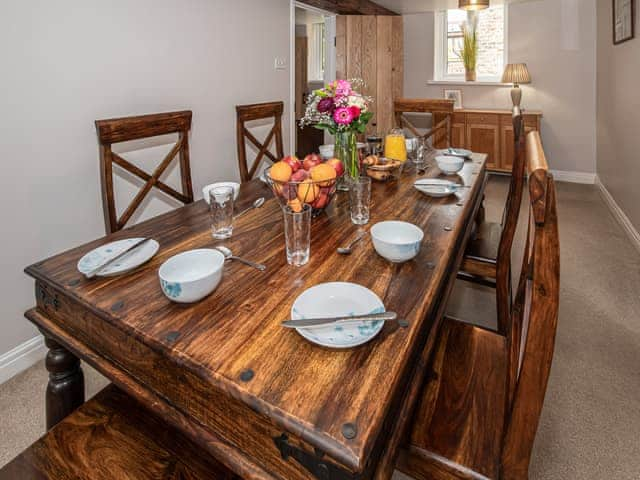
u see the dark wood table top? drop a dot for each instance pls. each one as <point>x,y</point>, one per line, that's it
<point>309,391</point>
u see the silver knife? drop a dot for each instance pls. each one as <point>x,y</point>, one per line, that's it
<point>323,322</point>
<point>93,272</point>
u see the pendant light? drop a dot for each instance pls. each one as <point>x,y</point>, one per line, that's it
<point>473,4</point>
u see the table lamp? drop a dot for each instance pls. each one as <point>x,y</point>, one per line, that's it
<point>473,4</point>
<point>517,74</point>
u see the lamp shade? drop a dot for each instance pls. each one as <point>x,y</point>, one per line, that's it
<point>516,73</point>
<point>473,4</point>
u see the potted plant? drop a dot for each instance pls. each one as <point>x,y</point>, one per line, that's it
<point>469,52</point>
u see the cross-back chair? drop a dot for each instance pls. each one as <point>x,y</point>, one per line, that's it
<point>481,404</point>
<point>438,108</point>
<point>118,130</point>
<point>258,111</point>
<point>487,258</point>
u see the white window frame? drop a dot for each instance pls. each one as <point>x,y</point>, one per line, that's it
<point>441,51</point>
<point>315,72</point>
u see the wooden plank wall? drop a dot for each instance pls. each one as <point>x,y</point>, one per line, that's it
<point>371,47</point>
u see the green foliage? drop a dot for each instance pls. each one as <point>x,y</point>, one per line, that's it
<point>469,52</point>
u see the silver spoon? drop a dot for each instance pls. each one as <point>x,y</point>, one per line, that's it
<point>349,248</point>
<point>228,255</point>
<point>257,204</point>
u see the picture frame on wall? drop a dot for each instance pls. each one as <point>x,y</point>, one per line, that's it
<point>456,96</point>
<point>624,17</point>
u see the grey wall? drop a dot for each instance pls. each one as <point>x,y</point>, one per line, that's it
<point>619,114</point>
<point>557,40</point>
<point>69,62</point>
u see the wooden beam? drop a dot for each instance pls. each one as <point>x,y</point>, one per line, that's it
<point>350,7</point>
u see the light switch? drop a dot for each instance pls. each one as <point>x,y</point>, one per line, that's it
<point>280,63</point>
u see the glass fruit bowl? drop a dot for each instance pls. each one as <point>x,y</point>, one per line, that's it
<point>311,182</point>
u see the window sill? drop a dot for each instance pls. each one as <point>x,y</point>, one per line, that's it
<point>478,83</point>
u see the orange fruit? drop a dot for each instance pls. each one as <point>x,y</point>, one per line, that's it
<point>308,191</point>
<point>295,205</point>
<point>324,174</point>
<point>280,172</point>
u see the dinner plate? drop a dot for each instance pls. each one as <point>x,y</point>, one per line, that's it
<point>128,262</point>
<point>458,152</point>
<point>336,299</point>
<point>436,188</point>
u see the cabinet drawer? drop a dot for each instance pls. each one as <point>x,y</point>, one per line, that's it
<point>531,121</point>
<point>457,117</point>
<point>482,118</point>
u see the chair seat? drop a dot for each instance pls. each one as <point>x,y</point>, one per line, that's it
<point>459,424</point>
<point>481,254</point>
<point>113,437</point>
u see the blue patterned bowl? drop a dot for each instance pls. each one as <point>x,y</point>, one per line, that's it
<point>396,241</point>
<point>190,276</point>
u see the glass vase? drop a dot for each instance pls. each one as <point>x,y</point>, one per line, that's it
<point>346,150</point>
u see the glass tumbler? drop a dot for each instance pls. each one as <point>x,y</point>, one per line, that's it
<point>221,211</point>
<point>297,234</point>
<point>360,198</point>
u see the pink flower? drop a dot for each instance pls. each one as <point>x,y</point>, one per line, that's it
<point>355,111</point>
<point>343,88</point>
<point>343,116</point>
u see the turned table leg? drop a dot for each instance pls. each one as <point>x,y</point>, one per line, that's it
<point>65,391</point>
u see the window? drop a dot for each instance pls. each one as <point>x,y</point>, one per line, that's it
<point>491,32</point>
<point>316,52</point>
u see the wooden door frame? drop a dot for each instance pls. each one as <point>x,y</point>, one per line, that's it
<point>331,63</point>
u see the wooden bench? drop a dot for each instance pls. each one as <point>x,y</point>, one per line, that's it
<point>113,437</point>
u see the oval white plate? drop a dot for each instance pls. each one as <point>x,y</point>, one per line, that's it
<point>131,260</point>
<point>437,188</point>
<point>460,152</point>
<point>336,299</point>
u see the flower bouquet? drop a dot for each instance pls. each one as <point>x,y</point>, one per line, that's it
<point>344,112</point>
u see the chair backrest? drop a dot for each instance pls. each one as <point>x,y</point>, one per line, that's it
<point>117,130</point>
<point>258,111</point>
<point>531,338</point>
<point>509,223</point>
<point>438,108</point>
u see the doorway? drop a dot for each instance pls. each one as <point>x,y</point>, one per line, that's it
<point>313,64</point>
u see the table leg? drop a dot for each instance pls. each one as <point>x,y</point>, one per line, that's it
<point>65,390</point>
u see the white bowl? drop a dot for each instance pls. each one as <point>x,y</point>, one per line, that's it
<point>207,188</point>
<point>450,164</point>
<point>396,241</point>
<point>190,276</point>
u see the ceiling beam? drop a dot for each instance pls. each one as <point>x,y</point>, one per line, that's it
<point>349,7</point>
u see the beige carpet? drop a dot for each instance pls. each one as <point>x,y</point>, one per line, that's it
<point>590,423</point>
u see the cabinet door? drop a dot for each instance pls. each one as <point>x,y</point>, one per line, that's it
<point>507,140</point>
<point>483,136</point>
<point>457,131</point>
<point>458,135</point>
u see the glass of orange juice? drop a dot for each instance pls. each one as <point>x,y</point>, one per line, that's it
<point>394,145</point>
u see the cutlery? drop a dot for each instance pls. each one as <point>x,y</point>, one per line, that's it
<point>228,255</point>
<point>349,248</point>
<point>421,183</point>
<point>257,204</point>
<point>323,322</point>
<point>93,272</point>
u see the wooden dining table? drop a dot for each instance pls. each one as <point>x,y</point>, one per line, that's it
<point>258,397</point>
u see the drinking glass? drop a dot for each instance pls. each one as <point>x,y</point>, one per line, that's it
<point>360,198</point>
<point>221,210</point>
<point>297,235</point>
<point>411,144</point>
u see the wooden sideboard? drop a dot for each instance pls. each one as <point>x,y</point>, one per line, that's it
<point>487,131</point>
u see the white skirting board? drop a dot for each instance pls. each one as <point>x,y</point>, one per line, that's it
<point>619,214</point>
<point>22,357</point>
<point>574,177</point>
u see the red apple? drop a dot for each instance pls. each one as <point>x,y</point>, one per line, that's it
<point>337,166</point>
<point>293,162</point>
<point>300,176</point>
<point>322,200</point>
<point>311,161</point>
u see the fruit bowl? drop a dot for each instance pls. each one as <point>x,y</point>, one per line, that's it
<point>311,182</point>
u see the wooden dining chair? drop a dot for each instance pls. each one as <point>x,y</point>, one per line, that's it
<point>487,257</point>
<point>438,108</point>
<point>481,403</point>
<point>259,111</point>
<point>118,130</point>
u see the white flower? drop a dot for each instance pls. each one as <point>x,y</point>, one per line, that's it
<point>357,101</point>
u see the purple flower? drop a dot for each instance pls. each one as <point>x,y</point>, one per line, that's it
<point>343,116</point>
<point>326,105</point>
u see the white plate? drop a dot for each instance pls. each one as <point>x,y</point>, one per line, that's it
<point>131,260</point>
<point>338,299</point>
<point>436,188</point>
<point>459,152</point>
